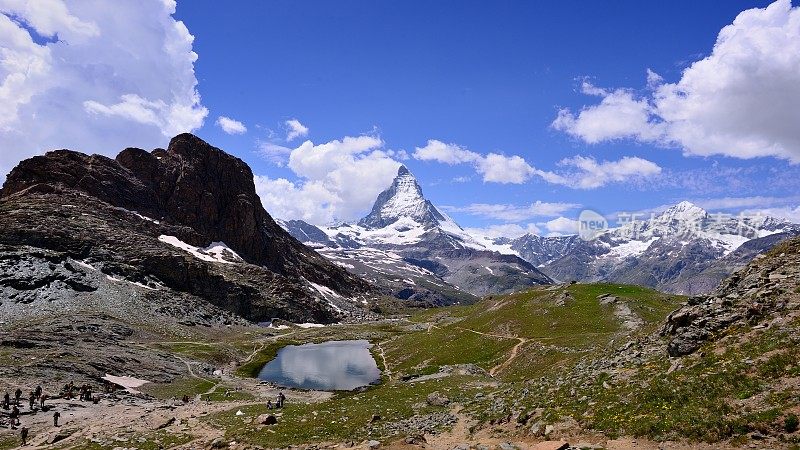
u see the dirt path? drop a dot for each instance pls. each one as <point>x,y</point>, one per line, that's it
<point>514,351</point>
<point>255,352</point>
<point>386,369</point>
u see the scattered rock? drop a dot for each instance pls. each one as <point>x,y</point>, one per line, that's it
<point>607,299</point>
<point>169,422</point>
<point>564,298</point>
<point>552,445</point>
<point>417,439</point>
<point>436,399</point>
<point>537,429</point>
<point>60,436</point>
<point>266,419</point>
<point>219,443</point>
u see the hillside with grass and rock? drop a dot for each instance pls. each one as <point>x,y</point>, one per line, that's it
<point>165,302</point>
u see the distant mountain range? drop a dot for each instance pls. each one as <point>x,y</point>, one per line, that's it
<point>683,250</point>
<point>417,252</point>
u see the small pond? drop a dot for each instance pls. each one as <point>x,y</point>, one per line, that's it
<point>329,366</point>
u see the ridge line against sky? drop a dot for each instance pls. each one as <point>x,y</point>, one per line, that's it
<point>688,101</point>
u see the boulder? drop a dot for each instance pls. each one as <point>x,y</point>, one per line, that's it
<point>436,399</point>
<point>552,445</point>
<point>266,419</point>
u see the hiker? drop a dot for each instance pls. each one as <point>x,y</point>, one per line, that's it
<point>56,415</point>
<point>269,404</point>
<point>38,391</point>
<point>185,398</point>
<point>31,400</point>
<point>23,433</point>
<point>18,395</point>
<point>14,416</point>
<point>281,399</point>
<point>42,398</point>
<point>6,401</point>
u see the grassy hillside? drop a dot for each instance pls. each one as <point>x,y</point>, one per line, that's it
<point>513,338</point>
<point>551,327</point>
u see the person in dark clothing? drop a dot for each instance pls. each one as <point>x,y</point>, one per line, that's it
<point>31,400</point>
<point>18,395</point>
<point>6,401</point>
<point>56,415</point>
<point>23,433</point>
<point>38,391</point>
<point>14,416</point>
<point>281,399</point>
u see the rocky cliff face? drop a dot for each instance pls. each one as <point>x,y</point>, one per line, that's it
<point>186,219</point>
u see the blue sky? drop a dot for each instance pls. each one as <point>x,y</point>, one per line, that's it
<point>486,77</point>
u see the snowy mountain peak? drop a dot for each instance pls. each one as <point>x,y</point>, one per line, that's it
<point>684,211</point>
<point>402,200</point>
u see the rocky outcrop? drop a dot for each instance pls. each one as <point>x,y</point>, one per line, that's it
<point>767,289</point>
<point>156,218</point>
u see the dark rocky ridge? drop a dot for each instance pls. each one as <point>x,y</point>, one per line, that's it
<point>111,212</point>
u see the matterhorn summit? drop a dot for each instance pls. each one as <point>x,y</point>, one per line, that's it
<point>417,252</point>
<point>403,200</point>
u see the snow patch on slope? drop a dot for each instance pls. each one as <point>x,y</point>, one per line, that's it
<point>216,252</point>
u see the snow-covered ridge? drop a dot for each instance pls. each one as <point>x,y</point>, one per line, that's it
<point>403,216</point>
<point>216,252</point>
<point>686,222</point>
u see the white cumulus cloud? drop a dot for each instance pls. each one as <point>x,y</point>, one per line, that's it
<point>561,226</point>
<point>93,76</point>
<point>295,129</point>
<point>579,171</point>
<point>739,101</point>
<point>339,180</point>
<point>792,214</point>
<point>493,167</point>
<point>587,173</point>
<point>435,150</point>
<point>231,126</point>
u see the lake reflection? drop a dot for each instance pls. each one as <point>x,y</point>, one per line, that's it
<point>332,365</point>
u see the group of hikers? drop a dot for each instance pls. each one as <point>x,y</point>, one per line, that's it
<point>278,402</point>
<point>10,413</point>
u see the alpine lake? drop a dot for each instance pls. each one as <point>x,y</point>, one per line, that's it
<point>327,366</point>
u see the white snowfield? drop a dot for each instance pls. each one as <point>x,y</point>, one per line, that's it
<point>310,325</point>
<point>216,252</point>
<point>129,383</point>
